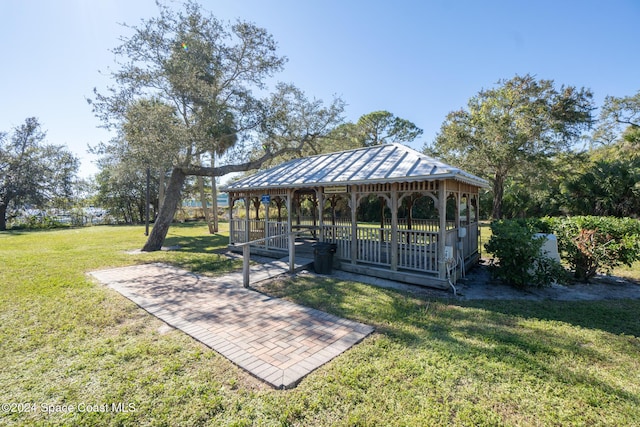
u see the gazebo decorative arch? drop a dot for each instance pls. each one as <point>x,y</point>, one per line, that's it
<point>321,195</point>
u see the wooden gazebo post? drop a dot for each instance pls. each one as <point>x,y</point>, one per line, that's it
<point>354,224</point>
<point>267,204</point>
<point>232,201</point>
<point>442,233</point>
<point>320,203</point>
<point>291,237</point>
<point>247,211</point>
<point>394,226</point>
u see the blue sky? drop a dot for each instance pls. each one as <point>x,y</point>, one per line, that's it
<point>416,59</point>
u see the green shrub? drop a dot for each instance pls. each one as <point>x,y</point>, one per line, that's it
<point>593,244</point>
<point>521,262</point>
<point>36,222</point>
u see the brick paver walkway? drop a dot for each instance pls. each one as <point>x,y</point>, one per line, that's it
<point>275,340</point>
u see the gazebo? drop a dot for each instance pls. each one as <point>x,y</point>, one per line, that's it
<point>391,211</point>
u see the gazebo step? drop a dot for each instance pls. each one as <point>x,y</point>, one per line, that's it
<point>422,279</point>
<point>300,263</point>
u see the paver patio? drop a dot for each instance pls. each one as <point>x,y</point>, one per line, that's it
<point>275,340</point>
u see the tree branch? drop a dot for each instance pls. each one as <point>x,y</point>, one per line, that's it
<point>629,122</point>
<point>196,170</point>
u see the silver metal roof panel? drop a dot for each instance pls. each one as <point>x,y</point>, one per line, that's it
<point>379,164</point>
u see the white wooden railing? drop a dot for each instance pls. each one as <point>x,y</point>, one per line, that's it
<point>472,239</point>
<point>421,224</point>
<point>275,229</point>
<point>418,250</point>
<point>341,236</point>
<point>237,232</point>
<point>246,253</point>
<point>374,245</point>
<point>277,235</point>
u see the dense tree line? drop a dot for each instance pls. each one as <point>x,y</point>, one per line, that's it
<point>524,137</point>
<point>600,179</point>
<point>184,105</point>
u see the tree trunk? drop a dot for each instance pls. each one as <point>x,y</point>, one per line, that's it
<point>333,201</point>
<point>203,201</point>
<point>410,201</point>
<point>170,200</point>
<point>161,188</point>
<point>256,205</point>
<point>3,217</point>
<point>498,192</point>
<point>167,211</point>
<point>141,212</point>
<point>279,203</point>
<point>214,198</point>
<point>129,218</point>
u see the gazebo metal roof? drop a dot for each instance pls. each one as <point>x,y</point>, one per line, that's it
<point>378,164</point>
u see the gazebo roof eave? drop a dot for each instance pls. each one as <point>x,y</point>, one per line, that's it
<point>296,186</point>
<point>380,164</point>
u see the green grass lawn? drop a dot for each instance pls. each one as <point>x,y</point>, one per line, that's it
<point>66,340</point>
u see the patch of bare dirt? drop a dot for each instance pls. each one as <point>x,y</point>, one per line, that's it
<point>478,284</point>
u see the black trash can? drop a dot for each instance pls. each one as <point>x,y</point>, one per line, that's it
<point>323,257</point>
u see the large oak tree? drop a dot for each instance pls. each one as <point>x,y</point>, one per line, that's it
<point>619,120</point>
<point>32,172</point>
<point>381,127</point>
<point>513,129</point>
<point>186,90</point>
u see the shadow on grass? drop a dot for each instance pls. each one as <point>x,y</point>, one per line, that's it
<point>348,298</point>
<point>213,243</point>
<point>613,316</point>
<point>544,342</point>
<point>10,233</point>
<point>200,254</point>
<point>214,265</point>
<point>23,231</point>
